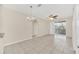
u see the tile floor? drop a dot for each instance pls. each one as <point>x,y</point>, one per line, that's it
<point>41,45</point>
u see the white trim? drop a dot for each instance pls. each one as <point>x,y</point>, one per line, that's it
<point>24,40</point>
<point>17,42</point>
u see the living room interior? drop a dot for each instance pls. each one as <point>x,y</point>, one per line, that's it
<point>39,29</point>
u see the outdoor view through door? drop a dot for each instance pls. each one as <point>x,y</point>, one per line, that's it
<point>60,35</point>
<point>60,28</point>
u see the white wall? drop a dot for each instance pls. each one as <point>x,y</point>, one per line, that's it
<point>1,31</point>
<point>74,28</point>
<point>0,18</point>
<point>41,27</point>
<point>77,24</point>
<point>69,32</point>
<point>69,27</point>
<point>15,26</point>
<point>52,28</point>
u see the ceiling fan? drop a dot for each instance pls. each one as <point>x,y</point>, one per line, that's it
<point>52,17</point>
<point>56,18</point>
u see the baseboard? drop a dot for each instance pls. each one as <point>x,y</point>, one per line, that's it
<point>16,42</point>
<point>20,41</point>
<point>43,35</point>
<point>26,39</point>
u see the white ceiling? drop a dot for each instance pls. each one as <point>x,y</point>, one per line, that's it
<point>63,10</point>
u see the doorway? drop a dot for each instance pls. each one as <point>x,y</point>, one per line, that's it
<point>60,35</point>
<point>34,28</point>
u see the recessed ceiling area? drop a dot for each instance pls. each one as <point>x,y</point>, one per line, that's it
<point>43,10</point>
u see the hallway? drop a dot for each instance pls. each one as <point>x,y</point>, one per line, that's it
<point>20,23</point>
<point>41,45</point>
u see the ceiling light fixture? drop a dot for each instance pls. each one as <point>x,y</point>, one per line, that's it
<point>32,18</point>
<point>51,17</point>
